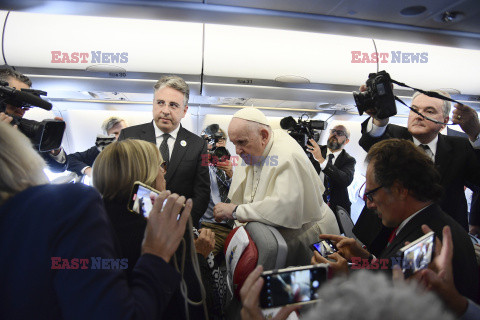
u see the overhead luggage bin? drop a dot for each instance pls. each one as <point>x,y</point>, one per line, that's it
<point>283,55</point>
<point>99,44</point>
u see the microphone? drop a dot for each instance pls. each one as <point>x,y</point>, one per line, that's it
<point>22,99</point>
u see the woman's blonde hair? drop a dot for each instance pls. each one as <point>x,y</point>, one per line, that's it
<point>20,165</point>
<point>122,163</point>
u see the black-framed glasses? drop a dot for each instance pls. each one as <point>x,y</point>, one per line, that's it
<point>339,133</point>
<point>369,195</point>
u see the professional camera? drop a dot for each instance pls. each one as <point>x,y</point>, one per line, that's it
<point>303,130</point>
<point>378,97</point>
<point>46,135</point>
<point>213,135</point>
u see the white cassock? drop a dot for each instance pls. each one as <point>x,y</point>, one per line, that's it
<point>284,191</point>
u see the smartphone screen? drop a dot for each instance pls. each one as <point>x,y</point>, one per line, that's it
<point>141,199</point>
<point>418,254</point>
<point>324,247</point>
<point>291,286</point>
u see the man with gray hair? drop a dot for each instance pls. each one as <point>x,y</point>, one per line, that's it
<point>180,148</point>
<point>337,167</point>
<point>455,158</point>
<point>81,162</point>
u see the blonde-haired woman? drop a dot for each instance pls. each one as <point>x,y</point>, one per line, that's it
<point>115,170</point>
<point>50,235</point>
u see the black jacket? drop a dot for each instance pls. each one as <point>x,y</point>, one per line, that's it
<point>340,175</point>
<point>186,174</point>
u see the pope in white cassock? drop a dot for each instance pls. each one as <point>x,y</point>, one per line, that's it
<point>275,183</point>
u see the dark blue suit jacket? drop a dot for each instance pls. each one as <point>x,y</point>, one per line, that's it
<point>69,221</point>
<point>79,160</point>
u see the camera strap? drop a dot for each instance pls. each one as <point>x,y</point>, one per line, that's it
<point>427,93</point>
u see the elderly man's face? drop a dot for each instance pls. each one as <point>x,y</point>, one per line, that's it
<point>425,130</point>
<point>12,110</point>
<point>168,108</point>
<point>385,202</point>
<point>249,142</point>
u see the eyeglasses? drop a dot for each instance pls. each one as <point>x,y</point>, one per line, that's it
<point>339,133</point>
<point>163,165</point>
<point>369,195</point>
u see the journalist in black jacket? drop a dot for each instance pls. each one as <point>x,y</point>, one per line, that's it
<point>340,171</point>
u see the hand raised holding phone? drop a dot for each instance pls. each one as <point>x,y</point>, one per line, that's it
<point>164,232</point>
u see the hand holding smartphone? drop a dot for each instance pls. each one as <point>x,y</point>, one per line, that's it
<point>296,285</point>
<point>142,199</point>
<point>324,247</point>
<point>418,254</point>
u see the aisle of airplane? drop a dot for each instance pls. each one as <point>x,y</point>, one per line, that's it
<point>97,59</point>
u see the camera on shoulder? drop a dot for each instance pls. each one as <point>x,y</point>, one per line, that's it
<point>45,135</point>
<point>213,135</point>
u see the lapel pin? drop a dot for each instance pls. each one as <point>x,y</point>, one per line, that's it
<point>183,143</point>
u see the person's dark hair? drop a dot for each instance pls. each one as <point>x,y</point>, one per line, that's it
<point>6,73</point>
<point>398,160</point>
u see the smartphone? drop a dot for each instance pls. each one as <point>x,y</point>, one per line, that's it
<point>418,254</point>
<point>141,199</point>
<point>296,285</point>
<point>324,247</point>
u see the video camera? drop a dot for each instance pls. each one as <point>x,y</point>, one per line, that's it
<point>213,135</point>
<point>46,135</point>
<point>378,97</point>
<point>303,130</point>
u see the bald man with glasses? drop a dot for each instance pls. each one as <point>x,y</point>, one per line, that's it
<point>337,167</point>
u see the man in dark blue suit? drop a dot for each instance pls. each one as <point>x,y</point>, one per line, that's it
<point>81,162</point>
<point>186,174</point>
<point>337,167</point>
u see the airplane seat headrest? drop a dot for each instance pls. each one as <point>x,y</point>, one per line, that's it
<point>272,248</point>
<point>249,246</point>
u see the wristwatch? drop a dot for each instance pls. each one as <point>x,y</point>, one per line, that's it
<point>234,213</point>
